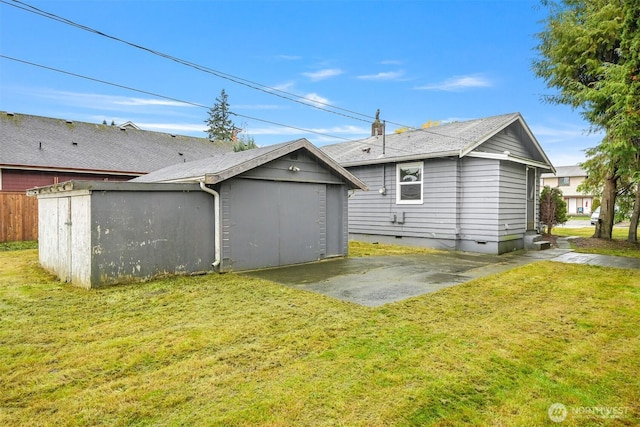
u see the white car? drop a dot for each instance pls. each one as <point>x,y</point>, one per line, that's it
<point>595,216</point>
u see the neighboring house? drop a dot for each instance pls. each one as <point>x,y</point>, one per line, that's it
<point>266,207</point>
<point>37,151</point>
<point>471,186</point>
<point>567,179</point>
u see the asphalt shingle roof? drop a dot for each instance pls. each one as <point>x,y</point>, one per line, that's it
<point>43,142</point>
<point>573,170</point>
<point>227,165</point>
<point>444,140</point>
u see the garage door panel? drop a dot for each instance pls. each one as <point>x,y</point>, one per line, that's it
<point>273,223</point>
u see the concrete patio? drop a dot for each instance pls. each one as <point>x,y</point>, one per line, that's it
<point>375,281</point>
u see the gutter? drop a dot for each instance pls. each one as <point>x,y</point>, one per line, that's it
<point>216,213</point>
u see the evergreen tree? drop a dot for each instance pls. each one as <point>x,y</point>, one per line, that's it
<point>220,125</point>
<point>553,208</point>
<point>589,52</point>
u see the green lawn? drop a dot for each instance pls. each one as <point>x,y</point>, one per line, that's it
<point>619,233</point>
<point>230,350</point>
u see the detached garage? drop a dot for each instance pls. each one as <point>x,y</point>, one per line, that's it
<point>267,207</point>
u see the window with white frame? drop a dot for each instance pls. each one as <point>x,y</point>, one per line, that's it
<point>409,181</point>
<point>564,181</point>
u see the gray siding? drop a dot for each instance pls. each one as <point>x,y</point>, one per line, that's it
<point>480,200</point>
<point>512,212</point>
<point>509,139</point>
<point>140,235</point>
<point>471,204</point>
<point>371,212</point>
<point>309,170</point>
<point>337,231</point>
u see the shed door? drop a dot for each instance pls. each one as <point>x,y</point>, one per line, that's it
<point>65,267</point>
<point>274,223</point>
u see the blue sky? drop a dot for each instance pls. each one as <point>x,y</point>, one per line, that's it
<point>414,60</point>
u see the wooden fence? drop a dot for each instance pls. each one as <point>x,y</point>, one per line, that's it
<point>18,217</point>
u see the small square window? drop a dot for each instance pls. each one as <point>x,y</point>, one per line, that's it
<point>409,181</point>
<point>563,181</point>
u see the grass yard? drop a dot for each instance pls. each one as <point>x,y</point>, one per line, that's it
<point>618,246</point>
<point>230,350</point>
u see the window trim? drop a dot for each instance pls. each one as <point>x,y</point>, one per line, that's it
<point>399,184</point>
<point>568,184</point>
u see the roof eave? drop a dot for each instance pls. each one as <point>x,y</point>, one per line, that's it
<point>511,158</point>
<point>399,159</point>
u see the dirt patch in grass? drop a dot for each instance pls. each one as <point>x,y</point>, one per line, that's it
<point>551,238</point>
<point>591,243</point>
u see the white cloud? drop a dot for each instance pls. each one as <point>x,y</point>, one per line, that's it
<point>149,102</point>
<point>256,107</point>
<point>179,128</point>
<point>286,86</point>
<point>458,83</point>
<point>98,101</point>
<point>572,132</point>
<point>290,57</point>
<point>389,75</point>
<point>314,98</point>
<point>335,130</point>
<point>323,74</point>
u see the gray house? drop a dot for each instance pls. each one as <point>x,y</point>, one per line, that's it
<point>266,207</point>
<point>470,186</point>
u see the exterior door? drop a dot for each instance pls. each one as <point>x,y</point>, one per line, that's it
<point>531,198</point>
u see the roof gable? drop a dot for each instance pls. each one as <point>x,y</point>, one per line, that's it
<point>221,167</point>
<point>36,142</point>
<point>451,139</point>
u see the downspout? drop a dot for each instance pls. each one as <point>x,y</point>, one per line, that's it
<point>216,214</point>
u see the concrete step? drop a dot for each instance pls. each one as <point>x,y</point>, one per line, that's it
<point>530,240</point>
<point>541,245</point>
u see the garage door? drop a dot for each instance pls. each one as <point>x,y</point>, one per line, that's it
<point>274,223</point>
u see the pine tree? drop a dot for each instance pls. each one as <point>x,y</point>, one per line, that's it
<point>220,125</point>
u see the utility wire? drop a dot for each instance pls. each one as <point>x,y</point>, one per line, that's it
<point>239,80</point>
<point>195,104</point>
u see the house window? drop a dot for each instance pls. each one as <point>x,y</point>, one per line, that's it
<point>409,179</point>
<point>563,181</point>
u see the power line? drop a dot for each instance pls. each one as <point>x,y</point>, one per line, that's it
<point>195,104</point>
<point>239,80</point>
<point>235,79</point>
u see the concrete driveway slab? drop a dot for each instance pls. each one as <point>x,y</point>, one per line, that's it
<point>374,281</point>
